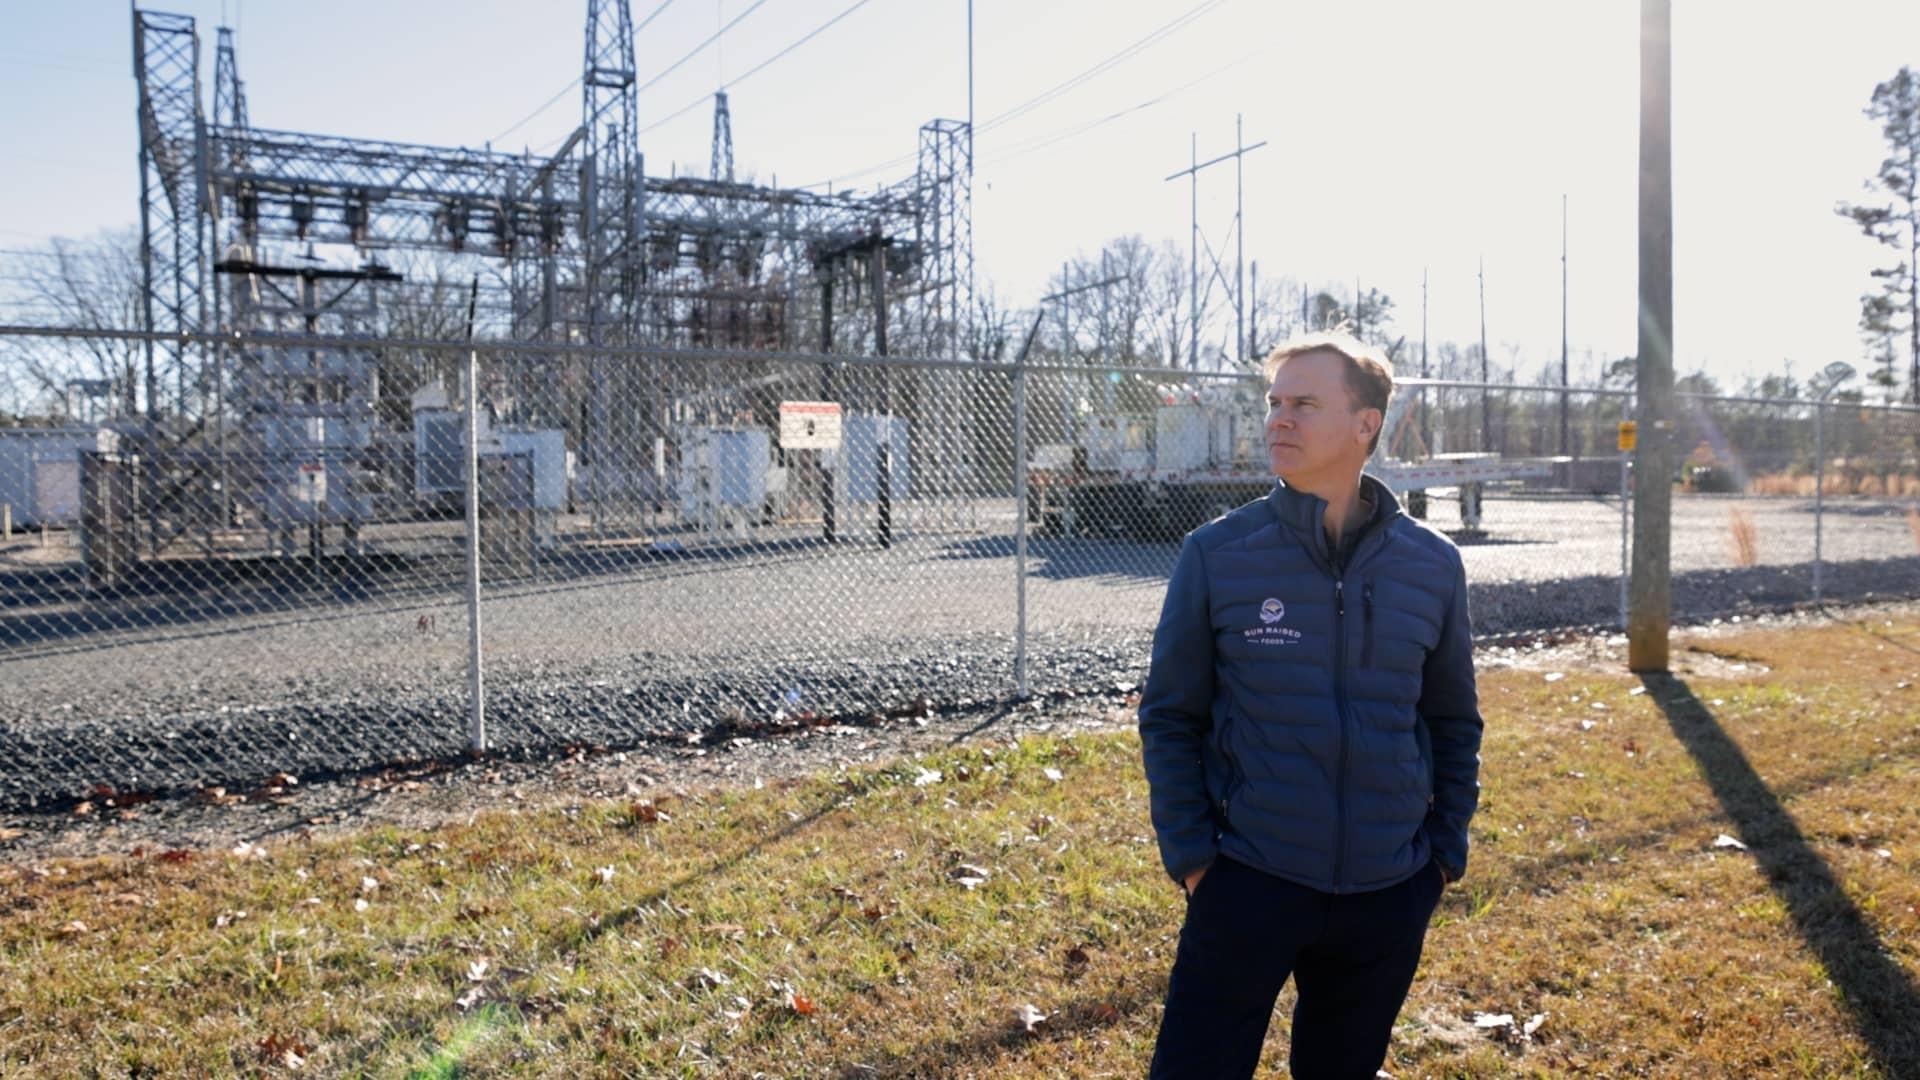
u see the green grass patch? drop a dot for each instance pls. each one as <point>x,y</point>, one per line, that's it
<point>886,921</point>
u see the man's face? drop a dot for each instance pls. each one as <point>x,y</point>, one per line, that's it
<point>1315,433</point>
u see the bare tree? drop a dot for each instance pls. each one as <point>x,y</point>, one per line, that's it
<point>77,286</point>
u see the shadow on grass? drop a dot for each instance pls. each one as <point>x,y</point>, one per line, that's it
<point>978,1051</point>
<point>577,936</point>
<point>1878,993</point>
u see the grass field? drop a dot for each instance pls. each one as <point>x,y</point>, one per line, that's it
<point>914,919</point>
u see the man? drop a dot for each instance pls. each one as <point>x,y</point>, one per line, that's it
<point>1311,735</point>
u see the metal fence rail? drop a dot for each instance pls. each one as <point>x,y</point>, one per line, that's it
<point>636,544</point>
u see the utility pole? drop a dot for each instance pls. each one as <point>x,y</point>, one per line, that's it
<point>1563,326</point>
<point>1650,585</point>
<point>1192,173</point>
<point>1251,346</point>
<point>1239,246</point>
<point>1193,253</point>
<point>1426,415</point>
<point>1486,395</point>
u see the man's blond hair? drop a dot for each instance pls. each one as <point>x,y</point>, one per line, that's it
<point>1369,373</point>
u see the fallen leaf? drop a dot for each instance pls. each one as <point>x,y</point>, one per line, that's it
<point>73,928</point>
<point>1533,1024</point>
<point>925,777</point>
<point>368,885</point>
<point>360,903</point>
<point>1725,841</point>
<point>283,1051</point>
<point>604,873</point>
<point>1555,676</point>
<point>477,970</point>
<point>472,997</point>
<point>1492,1020</point>
<point>1052,774</point>
<point>1077,959</point>
<point>11,834</point>
<point>801,1004</point>
<point>175,855</point>
<point>969,875</point>
<point>228,918</point>
<point>706,979</point>
<point>1105,1013</point>
<point>247,849</point>
<point>82,809</point>
<point>1029,1017</point>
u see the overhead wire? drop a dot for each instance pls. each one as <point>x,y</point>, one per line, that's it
<point>563,91</point>
<point>1154,37</point>
<point>698,49</point>
<point>754,70</point>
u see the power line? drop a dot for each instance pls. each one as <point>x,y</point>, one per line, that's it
<point>698,49</point>
<point>1034,102</point>
<point>1103,66</point>
<point>552,101</point>
<point>1041,142</point>
<point>756,69</point>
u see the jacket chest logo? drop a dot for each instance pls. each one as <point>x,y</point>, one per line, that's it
<point>1270,632</point>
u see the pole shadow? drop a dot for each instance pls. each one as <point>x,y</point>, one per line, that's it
<point>1876,991</point>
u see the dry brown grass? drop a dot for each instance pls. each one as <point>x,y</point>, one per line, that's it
<point>1839,480</point>
<point>1743,538</point>
<point>819,929</point>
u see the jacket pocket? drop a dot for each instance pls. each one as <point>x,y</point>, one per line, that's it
<point>1231,759</point>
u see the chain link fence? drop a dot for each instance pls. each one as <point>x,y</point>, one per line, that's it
<point>703,545</point>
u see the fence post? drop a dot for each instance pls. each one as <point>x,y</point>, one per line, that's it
<point>1020,526</point>
<point>476,685</point>
<point>1626,506</point>
<point>1021,687</point>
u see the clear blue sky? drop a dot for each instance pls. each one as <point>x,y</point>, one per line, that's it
<point>1402,135</point>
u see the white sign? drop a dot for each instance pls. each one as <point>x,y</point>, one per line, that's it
<point>810,425</point>
<point>311,486</point>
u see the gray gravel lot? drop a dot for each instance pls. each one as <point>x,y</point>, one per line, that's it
<point>734,638</point>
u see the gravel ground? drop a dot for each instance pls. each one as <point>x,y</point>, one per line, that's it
<point>739,641</point>
<point>426,795</point>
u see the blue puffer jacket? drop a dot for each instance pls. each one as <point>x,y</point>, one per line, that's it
<point>1320,726</point>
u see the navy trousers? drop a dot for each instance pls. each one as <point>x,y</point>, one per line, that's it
<point>1352,958</point>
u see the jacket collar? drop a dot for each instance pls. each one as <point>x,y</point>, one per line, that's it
<point>1305,513</point>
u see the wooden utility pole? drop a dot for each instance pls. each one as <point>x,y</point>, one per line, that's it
<point>1650,586</point>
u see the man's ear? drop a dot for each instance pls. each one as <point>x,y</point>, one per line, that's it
<point>1370,421</point>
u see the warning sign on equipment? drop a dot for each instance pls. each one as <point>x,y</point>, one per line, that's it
<point>810,425</point>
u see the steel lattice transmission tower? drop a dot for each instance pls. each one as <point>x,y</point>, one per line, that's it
<point>173,146</point>
<point>596,254</point>
<point>722,139</point>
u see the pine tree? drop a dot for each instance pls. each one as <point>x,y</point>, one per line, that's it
<point>1895,223</point>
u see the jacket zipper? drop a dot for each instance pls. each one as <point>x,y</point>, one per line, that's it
<point>1366,639</point>
<point>1340,709</point>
